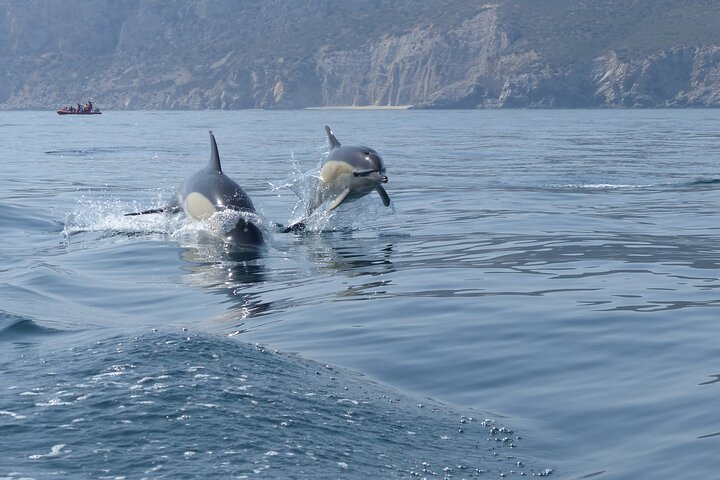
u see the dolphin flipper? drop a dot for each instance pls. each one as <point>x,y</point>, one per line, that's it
<point>167,209</point>
<point>383,195</point>
<point>334,143</point>
<point>340,198</point>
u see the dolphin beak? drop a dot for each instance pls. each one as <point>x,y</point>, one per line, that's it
<point>379,177</point>
<point>374,175</point>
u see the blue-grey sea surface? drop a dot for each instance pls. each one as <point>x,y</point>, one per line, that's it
<point>540,299</point>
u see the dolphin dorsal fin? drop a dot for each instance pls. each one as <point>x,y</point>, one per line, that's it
<point>214,155</point>
<point>334,143</point>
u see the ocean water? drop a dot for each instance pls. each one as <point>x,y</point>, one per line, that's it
<point>541,299</point>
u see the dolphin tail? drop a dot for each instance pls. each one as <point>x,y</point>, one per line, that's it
<point>383,194</point>
<point>334,143</point>
<point>214,155</point>
<point>294,228</point>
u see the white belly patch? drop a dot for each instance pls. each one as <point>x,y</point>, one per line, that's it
<point>198,206</point>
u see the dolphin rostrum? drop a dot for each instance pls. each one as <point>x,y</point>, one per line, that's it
<point>208,191</point>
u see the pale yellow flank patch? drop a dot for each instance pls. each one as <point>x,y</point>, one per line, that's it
<point>332,170</point>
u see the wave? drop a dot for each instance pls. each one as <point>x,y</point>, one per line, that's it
<point>190,405</point>
<point>14,328</point>
<point>604,187</point>
<point>704,182</point>
<point>593,186</point>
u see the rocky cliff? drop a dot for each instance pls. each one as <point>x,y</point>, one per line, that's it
<point>197,54</point>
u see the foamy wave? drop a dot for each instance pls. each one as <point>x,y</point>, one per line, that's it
<point>55,451</point>
<point>595,186</point>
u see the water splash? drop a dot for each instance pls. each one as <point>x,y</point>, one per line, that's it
<point>346,217</point>
<point>108,218</point>
<point>107,215</point>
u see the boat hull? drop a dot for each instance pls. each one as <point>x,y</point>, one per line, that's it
<point>68,112</point>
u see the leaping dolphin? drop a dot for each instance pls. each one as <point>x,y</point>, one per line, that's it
<point>208,191</point>
<point>348,173</point>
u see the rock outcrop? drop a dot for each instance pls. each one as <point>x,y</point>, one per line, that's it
<point>223,54</point>
<point>680,77</point>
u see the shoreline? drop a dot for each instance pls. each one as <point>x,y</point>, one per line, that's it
<point>363,107</point>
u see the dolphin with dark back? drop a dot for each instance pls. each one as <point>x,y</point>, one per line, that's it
<point>348,173</point>
<point>208,191</point>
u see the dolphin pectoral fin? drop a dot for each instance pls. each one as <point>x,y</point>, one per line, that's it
<point>334,143</point>
<point>383,195</point>
<point>340,198</point>
<point>166,209</point>
<point>145,212</point>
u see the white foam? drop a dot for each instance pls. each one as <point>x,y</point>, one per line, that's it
<point>596,186</point>
<point>109,217</point>
<point>55,451</point>
<point>11,414</point>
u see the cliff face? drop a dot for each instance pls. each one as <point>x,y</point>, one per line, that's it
<point>189,54</point>
<point>681,77</point>
<point>416,66</point>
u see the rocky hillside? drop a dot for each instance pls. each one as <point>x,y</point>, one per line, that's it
<point>197,54</point>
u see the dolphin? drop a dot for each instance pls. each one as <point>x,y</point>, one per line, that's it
<point>208,191</point>
<point>348,173</point>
